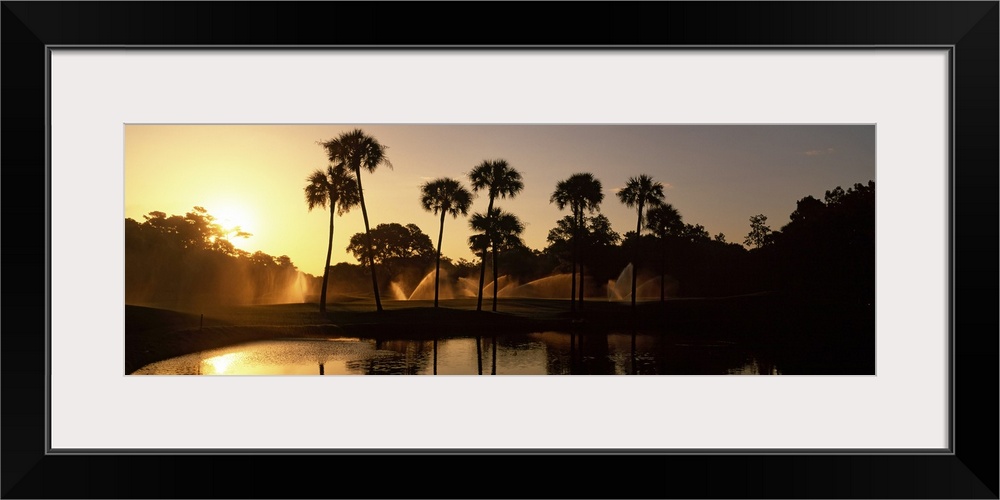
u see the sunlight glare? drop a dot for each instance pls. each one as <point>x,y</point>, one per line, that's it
<point>232,216</point>
<point>218,364</point>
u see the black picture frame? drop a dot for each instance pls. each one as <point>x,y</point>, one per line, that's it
<point>969,28</point>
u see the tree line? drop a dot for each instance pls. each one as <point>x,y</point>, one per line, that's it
<point>826,249</point>
<point>189,260</point>
<point>811,247</point>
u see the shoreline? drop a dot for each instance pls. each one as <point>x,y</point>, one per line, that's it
<point>156,334</point>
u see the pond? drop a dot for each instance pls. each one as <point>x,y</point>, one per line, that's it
<point>541,353</point>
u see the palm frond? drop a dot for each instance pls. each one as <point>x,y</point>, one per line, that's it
<point>496,176</point>
<point>317,190</point>
<point>356,150</point>
<point>580,192</point>
<point>445,195</point>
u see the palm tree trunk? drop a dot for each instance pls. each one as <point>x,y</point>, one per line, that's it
<point>635,258</point>
<point>494,371</point>
<point>482,279</point>
<point>495,278</point>
<point>482,264</point>
<point>479,353</point>
<point>368,239</point>
<point>437,263</point>
<point>326,268</point>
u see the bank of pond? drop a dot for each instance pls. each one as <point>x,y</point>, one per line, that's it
<point>748,335</point>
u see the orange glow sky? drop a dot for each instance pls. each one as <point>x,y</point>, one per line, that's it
<point>254,175</point>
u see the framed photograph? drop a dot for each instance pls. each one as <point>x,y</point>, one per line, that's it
<point>175,103</point>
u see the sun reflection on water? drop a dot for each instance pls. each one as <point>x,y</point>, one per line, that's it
<point>516,354</point>
<point>217,365</point>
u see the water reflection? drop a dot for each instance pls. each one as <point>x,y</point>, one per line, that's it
<point>555,353</point>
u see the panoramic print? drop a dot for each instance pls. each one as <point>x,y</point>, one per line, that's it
<point>363,249</point>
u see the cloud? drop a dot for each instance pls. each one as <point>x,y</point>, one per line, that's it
<point>819,152</point>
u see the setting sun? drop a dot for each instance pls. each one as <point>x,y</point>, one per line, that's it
<point>234,218</point>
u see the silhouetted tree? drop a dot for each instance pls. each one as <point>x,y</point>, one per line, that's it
<point>639,192</point>
<point>695,233</point>
<point>499,179</point>
<point>187,260</point>
<point>596,231</point>
<point>828,247</point>
<point>598,245</point>
<point>502,231</point>
<point>665,222</point>
<point>196,229</point>
<point>446,196</point>
<point>480,243</point>
<point>522,264</point>
<point>464,268</point>
<point>356,150</point>
<point>393,243</point>
<point>338,189</point>
<point>350,278</point>
<point>759,232</point>
<point>807,210</point>
<point>581,193</point>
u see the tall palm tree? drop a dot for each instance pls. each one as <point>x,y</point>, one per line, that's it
<point>501,231</point>
<point>639,192</point>
<point>499,179</point>
<point>665,222</point>
<point>338,189</point>
<point>356,150</point>
<point>581,193</point>
<point>447,196</point>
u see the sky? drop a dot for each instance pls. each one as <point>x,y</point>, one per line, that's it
<point>254,175</point>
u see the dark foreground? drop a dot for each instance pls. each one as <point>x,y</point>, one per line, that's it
<point>829,337</point>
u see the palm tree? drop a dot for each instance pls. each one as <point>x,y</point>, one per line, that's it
<point>500,179</point>
<point>665,222</point>
<point>447,196</point>
<point>580,192</point>
<point>337,189</point>
<point>639,192</point>
<point>356,150</point>
<point>502,231</point>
